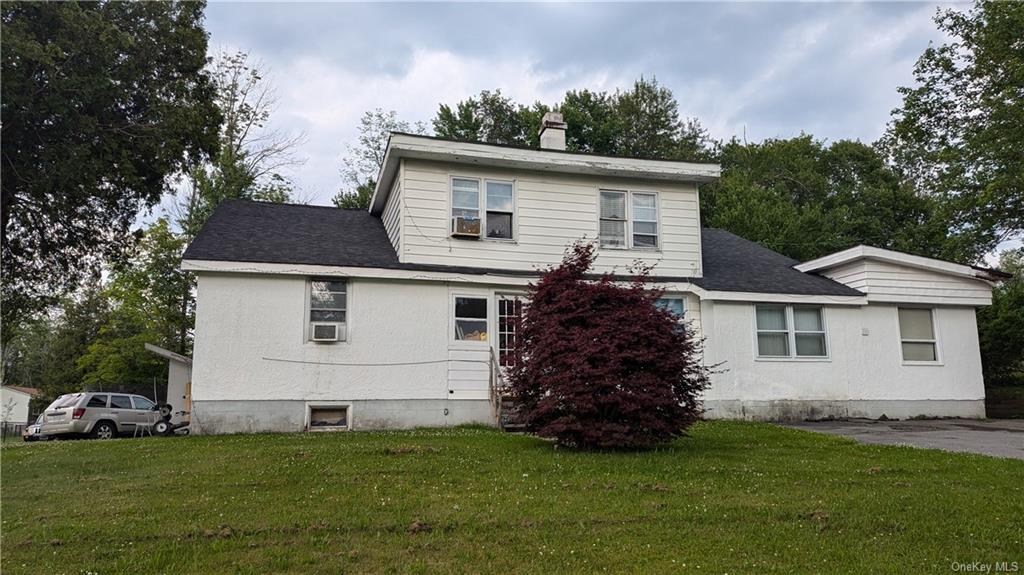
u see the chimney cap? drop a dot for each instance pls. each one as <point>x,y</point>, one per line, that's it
<point>552,120</point>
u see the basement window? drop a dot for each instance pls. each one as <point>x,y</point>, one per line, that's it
<point>328,418</point>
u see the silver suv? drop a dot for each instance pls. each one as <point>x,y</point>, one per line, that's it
<point>98,415</point>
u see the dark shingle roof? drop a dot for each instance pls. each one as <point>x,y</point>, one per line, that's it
<point>732,263</point>
<point>258,232</point>
<point>243,231</point>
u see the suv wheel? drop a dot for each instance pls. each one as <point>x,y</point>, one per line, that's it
<point>104,430</point>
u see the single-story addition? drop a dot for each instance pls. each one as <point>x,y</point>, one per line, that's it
<point>317,318</point>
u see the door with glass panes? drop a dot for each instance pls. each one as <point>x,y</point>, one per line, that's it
<point>509,309</point>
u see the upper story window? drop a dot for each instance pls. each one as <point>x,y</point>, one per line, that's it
<point>917,335</point>
<point>676,305</point>
<point>488,215</point>
<point>328,310</point>
<point>628,219</point>
<point>791,331</point>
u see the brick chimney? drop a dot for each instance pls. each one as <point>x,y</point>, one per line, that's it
<point>552,132</point>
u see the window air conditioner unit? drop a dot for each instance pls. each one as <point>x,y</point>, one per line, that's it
<point>466,227</point>
<point>326,332</point>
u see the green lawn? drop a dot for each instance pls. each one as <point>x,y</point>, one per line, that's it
<point>731,497</point>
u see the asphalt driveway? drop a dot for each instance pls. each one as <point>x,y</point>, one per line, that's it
<point>999,438</point>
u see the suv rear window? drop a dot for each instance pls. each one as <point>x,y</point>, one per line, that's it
<point>120,402</point>
<point>142,402</point>
<point>65,401</point>
<point>97,401</point>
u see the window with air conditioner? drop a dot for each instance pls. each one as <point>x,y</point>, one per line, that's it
<point>483,208</point>
<point>328,303</point>
<point>465,207</point>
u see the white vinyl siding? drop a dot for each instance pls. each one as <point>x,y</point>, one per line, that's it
<point>392,217</point>
<point>890,282</point>
<point>551,211</point>
<point>628,219</point>
<point>917,335</point>
<point>786,331</point>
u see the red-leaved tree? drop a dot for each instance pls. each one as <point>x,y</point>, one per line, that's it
<point>598,365</point>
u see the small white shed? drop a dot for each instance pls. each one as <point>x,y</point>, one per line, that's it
<point>179,380</point>
<point>14,404</point>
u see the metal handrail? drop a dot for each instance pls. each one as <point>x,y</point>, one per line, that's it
<point>496,384</point>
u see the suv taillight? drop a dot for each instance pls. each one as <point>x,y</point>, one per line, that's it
<point>78,413</point>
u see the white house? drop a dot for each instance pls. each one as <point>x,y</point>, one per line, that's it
<point>14,404</point>
<point>320,318</point>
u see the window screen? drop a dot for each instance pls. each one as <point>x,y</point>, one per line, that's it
<point>465,198</point>
<point>499,210</point>
<point>613,219</point>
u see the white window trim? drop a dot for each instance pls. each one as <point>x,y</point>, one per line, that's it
<point>490,320</point>
<point>481,198</point>
<point>935,342</point>
<point>629,220</point>
<point>311,405</point>
<point>685,318</point>
<point>307,324</point>
<point>791,332</point>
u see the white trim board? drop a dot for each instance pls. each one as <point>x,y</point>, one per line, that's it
<point>426,148</point>
<point>490,279</point>
<point>868,252</point>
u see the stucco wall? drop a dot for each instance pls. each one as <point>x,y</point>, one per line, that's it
<point>253,369</point>
<point>864,375</point>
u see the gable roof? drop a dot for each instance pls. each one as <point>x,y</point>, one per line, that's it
<point>259,232</point>
<point>401,145</point>
<point>732,263</point>
<point>863,252</point>
<point>30,391</point>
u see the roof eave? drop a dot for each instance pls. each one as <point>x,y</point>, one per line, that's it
<point>426,148</point>
<point>863,252</point>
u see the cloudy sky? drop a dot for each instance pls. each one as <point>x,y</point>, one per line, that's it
<point>766,70</point>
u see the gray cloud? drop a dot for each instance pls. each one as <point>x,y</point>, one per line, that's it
<point>773,69</point>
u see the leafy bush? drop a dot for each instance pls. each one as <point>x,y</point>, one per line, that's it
<point>597,364</point>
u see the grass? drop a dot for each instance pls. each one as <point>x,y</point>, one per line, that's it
<point>730,498</point>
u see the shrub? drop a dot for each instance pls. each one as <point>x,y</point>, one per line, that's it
<point>598,365</point>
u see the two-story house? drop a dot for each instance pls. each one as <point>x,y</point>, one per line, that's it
<point>314,317</point>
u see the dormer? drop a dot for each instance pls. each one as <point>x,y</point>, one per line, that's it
<point>509,208</point>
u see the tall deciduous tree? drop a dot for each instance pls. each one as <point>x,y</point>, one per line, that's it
<point>362,162</point>
<point>805,199</point>
<point>151,303</point>
<point>958,134</point>
<point>101,102</point>
<point>1001,325</point>
<point>492,118</point>
<point>251,156</point>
